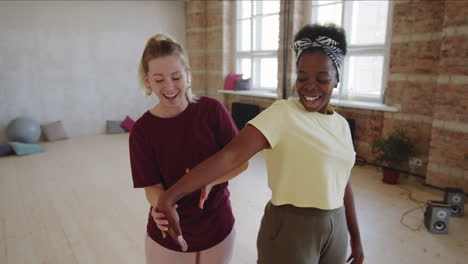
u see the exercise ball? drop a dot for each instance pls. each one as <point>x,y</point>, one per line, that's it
<point>23,129</point>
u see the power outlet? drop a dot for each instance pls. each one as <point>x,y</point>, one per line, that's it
<point>416,162</point>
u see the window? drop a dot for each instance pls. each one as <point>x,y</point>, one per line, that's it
<point>257,43</point>
<point>365,23</point>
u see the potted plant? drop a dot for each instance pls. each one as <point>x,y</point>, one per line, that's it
<point>391,151</point>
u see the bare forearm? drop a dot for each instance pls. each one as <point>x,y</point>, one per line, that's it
<point>153,193</point>
<point>351,217</point>
<point>246,144</point>
<point>208,171</point>
<point>232,174</point>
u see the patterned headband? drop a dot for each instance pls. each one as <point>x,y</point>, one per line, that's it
<point>328,45</point>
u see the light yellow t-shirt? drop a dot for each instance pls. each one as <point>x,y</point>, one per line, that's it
<point>311,155</point>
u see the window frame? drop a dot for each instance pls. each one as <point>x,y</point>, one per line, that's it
<point>360,50</point>
<point>254,53</point>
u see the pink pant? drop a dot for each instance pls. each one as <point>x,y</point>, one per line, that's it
<point>219,254</point>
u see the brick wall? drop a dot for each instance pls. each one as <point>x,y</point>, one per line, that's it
<point>448,156</point>
<point>414,60</point>
<point>196,28</point>
<point>427,78</point>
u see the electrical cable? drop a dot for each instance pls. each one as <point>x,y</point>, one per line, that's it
<point>421,205</point>
<point>410,196</point>
<point>406,213</point>
<point>360,161</point>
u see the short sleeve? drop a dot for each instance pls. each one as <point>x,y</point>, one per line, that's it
<point>142,160</point>
<point>268,122</point>
<point>226,129</point>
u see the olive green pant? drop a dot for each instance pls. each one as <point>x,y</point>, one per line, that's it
<point>295,235</point>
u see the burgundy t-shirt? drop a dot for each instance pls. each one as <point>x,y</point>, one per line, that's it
<point>160,151</point>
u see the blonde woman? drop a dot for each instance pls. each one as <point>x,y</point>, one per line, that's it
<point>168,140</point>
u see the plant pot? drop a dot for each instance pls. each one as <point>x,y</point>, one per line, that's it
<point>390,176</point>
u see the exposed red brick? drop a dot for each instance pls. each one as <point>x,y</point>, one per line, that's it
<point>215,15</point>
<point>417,17</point>
<point>456,13</point>
<point>415,57</point>
<point>195,5</point>
<point>449,148</point>
<point>451,102</point>
<point>196,20</point>
<point>196,41</point>
<point>413,97</point>
<point>198,60</point>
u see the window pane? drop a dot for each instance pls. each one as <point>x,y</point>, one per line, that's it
<point>324,2</point>
<point>245,67</point>
<point>327,14</point>
<point>270,7</point>
<point>244,9</point>
<point>369,22</point>
<point>365,75</point>
<point>243,35</point>
<point>268,72</point>
<point>257,7</point>
<point>258,35</point>
<point>270,33</point>
<point>257,23</point>
<point>336,91</point>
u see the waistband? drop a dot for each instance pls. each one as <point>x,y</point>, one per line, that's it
<point>305,210</point>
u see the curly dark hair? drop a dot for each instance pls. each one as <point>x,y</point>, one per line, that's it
<point>312,31</point>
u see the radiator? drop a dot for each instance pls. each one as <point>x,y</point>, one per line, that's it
<point>243,113</point>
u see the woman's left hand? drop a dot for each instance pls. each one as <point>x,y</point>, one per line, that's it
<point>205,191</point>
<point>357,253</point>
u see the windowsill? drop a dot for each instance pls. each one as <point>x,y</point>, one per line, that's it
<point>255,93</point>
<point>365,105</point>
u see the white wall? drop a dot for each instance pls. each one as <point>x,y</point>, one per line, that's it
<point>77,61</point>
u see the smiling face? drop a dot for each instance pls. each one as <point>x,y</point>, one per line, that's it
<point>316,78</point>
<point>167,77</point>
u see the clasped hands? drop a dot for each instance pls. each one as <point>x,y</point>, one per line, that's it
<point>167,219</point>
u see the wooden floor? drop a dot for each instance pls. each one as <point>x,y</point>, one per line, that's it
<point>75,203</point>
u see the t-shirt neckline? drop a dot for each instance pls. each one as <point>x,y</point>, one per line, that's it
<point>302,108</point>
<point>180,115</point>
